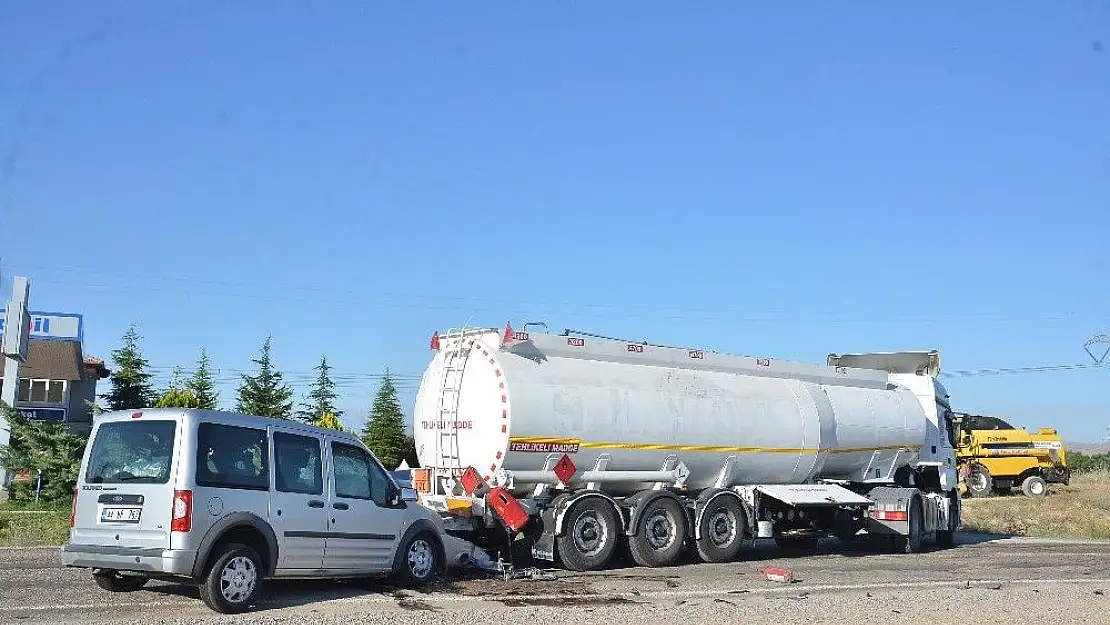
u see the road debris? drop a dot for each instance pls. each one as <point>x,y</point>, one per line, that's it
<point>777,574</point>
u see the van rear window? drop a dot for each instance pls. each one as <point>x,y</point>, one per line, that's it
<point>133,452</point>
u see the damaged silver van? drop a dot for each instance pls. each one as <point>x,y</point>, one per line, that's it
<point>226,501</point>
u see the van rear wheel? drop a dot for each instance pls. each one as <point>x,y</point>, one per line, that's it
<point>233,580</point>
<point>114,581</point>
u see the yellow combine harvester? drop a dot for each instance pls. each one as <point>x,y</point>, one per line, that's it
<point>995,457</point>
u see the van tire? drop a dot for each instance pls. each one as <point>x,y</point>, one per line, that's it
<point>421,561</point>
<point>243,565</point>
<point>114,581</point>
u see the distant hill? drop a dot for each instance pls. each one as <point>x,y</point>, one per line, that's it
<point>1088,448</point>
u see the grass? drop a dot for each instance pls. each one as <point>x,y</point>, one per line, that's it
<point>33,525</point>
<point>1080,510</point>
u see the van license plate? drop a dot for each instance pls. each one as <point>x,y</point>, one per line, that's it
<point>121,515</point>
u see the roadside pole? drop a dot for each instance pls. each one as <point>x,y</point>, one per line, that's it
<point>17,328</point>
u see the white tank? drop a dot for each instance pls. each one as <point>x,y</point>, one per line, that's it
<point>511,406</point>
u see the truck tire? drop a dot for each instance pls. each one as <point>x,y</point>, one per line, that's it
<point>589,539</point>
<point>722,530</point>
<point>979,482</point>
<point>1034,487</point>
<point>661,534</point>
<point>911,543</point>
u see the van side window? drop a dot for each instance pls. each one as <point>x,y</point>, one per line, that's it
<point>232,457</point>
<point>351,471</point>
<point>297,464</point>
<point>357,476</point>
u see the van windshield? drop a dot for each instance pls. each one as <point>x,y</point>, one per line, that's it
<point>135,452</point>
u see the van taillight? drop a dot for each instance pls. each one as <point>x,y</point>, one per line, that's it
<point>73,510</point>
<point>182,511</point>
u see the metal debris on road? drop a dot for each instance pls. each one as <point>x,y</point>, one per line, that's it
<point>776,574</point>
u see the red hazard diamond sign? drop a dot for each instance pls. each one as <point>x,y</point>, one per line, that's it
<point>565,469</point>
<point>470,480</point>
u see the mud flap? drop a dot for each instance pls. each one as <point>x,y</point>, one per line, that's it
<point>544,546</point>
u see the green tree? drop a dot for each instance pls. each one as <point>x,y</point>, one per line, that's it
<point>42,447</point>
<point>130,381</point>
<point>202,386</point>
<point>176,396</point>
<point>266,393</point>
<point>328,420</point>
<point>384,432</point>
<point>321,397</point>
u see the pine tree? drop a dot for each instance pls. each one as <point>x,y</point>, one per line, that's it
<point>321,397</point>
<point>176,396</point>
<point>384,432</point>
<point>202,386</point>
<point>265,394</point>
<point>130,381</point>
<point>46,447</point>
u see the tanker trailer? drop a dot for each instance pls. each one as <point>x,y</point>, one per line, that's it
<point>579,442</point>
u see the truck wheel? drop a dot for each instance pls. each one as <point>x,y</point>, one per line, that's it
<point>911,543</point>
<point>590,536</point>
<point>661,536</point>
<point>1034,486</point>
<point>979,482</point>
<point>233,581</point>
<point>722,530</point>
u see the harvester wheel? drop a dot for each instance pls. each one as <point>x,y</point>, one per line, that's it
<point>979,482</point>
<point>1034,486</point>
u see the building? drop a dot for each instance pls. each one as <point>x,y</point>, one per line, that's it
<point>58,381</point>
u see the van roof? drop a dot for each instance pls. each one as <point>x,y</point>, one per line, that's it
<point>221,416</point>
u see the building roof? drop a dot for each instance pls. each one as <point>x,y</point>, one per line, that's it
<point>59,360</point>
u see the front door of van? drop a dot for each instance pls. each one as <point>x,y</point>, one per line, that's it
<point>298,508</point>
<point>364,526</point>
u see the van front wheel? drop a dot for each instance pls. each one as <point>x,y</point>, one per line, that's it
<point>233,581</point>
<point>114,581</point>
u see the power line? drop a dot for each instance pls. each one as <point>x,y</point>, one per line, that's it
<point>426,301</point>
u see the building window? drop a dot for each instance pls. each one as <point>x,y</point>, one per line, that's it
<point>42,391</point>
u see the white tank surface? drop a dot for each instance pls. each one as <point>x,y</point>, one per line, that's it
<point>500,405</point>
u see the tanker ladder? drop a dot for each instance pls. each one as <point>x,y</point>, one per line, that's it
<point>570,519</point>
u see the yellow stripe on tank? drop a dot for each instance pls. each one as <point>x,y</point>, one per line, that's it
<point>704,448</point>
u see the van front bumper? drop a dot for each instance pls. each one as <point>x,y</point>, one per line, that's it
<point>177,562</point>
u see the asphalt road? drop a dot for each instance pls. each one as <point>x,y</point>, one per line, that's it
<point>980,581</point>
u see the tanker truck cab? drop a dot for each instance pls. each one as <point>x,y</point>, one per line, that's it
<point>578,444</point>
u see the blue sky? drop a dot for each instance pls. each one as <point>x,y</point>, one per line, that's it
<point>748,178</point>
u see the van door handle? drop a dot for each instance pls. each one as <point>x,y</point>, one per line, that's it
<point>340,506</point>
<point>315,503</point>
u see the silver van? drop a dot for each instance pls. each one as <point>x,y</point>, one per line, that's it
<point>227,500</point>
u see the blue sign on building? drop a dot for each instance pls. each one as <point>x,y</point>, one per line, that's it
<point>45,414</point>
<point>53,326</point>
